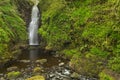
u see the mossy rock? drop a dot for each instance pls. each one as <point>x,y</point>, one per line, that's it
<point>75,75</point>
<point>41,61</point>
<point>13,74</point>
<point>38,77</point>
<point>37,69</point>
<point>86,66</point>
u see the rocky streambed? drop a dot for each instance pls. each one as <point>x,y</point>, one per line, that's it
<point>35,64</point>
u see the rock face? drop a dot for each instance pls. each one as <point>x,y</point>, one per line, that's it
<point>38,77</point>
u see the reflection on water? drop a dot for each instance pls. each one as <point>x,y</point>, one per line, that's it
<point>33,55</point>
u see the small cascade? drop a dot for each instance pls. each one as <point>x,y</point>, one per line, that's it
<point>33,26</point>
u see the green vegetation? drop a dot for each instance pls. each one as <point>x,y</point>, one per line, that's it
<point>12,28</point>
<point>13,75</point>
<point>104,76</point>
<point>87,29</point>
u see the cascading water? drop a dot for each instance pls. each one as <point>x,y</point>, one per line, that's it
<point>33,26</point>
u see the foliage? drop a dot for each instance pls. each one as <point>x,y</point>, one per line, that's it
<point>69,53</point>
<point>104,76</point>
<point>57,31</point>
<point>98,52</point>
<point>114,64</point>
<point>88,65</point>
<point>12,27</point>
<point>90,26</point>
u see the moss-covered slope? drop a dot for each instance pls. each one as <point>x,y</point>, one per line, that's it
<point>12,28</point>
<point>86,29</point>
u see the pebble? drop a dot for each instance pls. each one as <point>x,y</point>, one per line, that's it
<point>51,75</point>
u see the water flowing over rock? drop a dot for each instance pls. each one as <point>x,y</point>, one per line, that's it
<point>33,27</point>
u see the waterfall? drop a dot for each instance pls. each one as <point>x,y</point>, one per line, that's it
<point>33,26</point>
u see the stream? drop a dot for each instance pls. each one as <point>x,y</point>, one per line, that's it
<point>52,66</point>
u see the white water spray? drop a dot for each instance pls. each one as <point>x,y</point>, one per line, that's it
<point>33,26</point>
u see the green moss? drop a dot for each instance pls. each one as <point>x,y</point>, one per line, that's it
<point>89,28</point>
<point>37,69</point>
<point>114,64</point>
<point>12,28</point>
<point>13,74</point>
<point>104,76</point>
<point>98,52</point>
<point>70,52</point>
<point>89,65</point>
